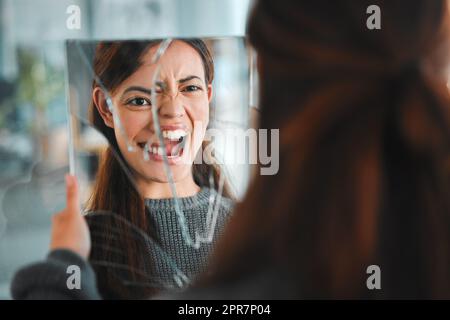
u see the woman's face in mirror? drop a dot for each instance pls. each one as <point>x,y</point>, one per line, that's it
<point>183,99</point>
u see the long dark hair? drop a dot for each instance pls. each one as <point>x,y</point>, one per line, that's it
<point>114,192</point>
<point>364,176</point>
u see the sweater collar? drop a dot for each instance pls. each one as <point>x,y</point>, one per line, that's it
<point>168,204</point>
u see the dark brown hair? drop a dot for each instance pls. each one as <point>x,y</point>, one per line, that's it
<point>113,191</point>
<point>364,175</point>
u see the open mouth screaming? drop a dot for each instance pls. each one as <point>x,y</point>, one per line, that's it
<point>174,142</point>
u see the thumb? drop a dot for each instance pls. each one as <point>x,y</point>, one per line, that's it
<point>72,194</point>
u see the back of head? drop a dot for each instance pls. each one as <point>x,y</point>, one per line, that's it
<point>364,125</point>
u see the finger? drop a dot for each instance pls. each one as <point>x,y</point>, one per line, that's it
<point>59,217</point>
<point>72,194</point>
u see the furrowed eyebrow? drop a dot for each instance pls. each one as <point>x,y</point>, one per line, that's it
<point>160,84</point>
<point>189,78</point>
<point>137,88</point>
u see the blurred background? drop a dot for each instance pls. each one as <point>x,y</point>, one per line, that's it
<point>33,104</point>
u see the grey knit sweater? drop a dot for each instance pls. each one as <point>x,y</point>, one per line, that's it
<point>167,256</point>
<point>176,253</point>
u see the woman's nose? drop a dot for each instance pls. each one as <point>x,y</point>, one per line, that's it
<point>171,107</point>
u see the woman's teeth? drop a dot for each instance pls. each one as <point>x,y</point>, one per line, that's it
<point>157,150</point>
<point>174,135</point>
<point>176,152</point>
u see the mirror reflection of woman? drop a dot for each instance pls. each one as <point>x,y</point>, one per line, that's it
<point>128,265</point>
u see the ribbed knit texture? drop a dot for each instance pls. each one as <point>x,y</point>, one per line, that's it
<point>166,260</point>
<point>191,261</point>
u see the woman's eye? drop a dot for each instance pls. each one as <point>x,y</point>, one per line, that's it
<point>192,88</point>
<point>138,102</point>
